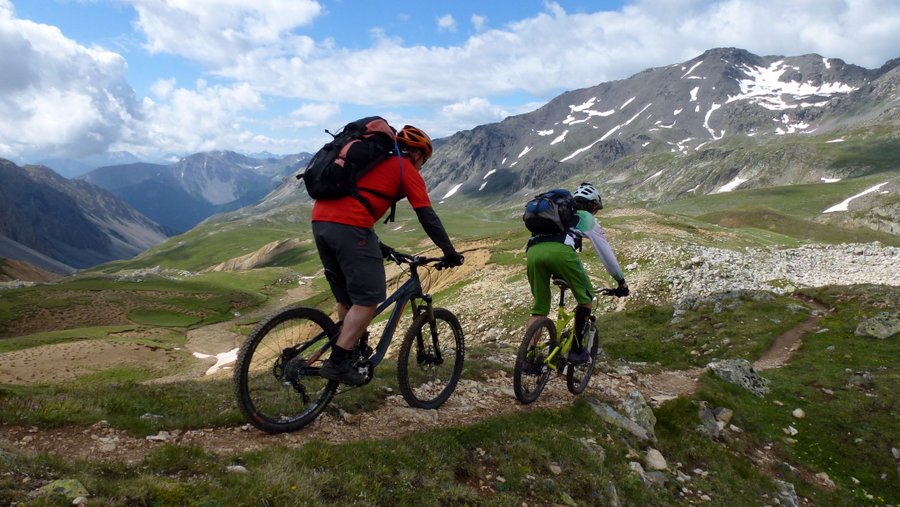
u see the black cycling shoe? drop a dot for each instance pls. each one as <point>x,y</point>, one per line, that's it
<point>343,372</point>
<point>578,357</point>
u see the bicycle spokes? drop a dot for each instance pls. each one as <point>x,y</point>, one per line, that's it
<point>276,375</point>
<point>537,354</point>
<point>431,359</point>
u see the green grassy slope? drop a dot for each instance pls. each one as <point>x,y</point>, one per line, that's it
<point>802,201</point>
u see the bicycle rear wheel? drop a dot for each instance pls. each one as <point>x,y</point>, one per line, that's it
<point>578,377</point>
<point>431,359</point>
<point>276,380</point>
<point>531,372</point>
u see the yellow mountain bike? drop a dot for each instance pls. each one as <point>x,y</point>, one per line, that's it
<point>543,352</point>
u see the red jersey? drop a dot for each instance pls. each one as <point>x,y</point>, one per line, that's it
<point>385,178</point>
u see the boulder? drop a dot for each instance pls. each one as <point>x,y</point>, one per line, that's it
<point>69,488</point>
<point>741,373</point>
<point>637,409</point>
<point>610,416</point>
<point>881,326</point>
<point>787,494</point>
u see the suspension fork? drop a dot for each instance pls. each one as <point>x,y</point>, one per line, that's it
<point>427,307</point>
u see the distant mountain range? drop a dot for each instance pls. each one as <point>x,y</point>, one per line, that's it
<point>725,120</point>
<point>181,195</point>
<point>60,225</point>
<point>690,127</point>
<point>115,212</point>
<point>72,168</point>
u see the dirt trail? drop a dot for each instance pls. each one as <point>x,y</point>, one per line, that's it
<point>473,401</point>
<point>790,341</point>
<point>671,384</point>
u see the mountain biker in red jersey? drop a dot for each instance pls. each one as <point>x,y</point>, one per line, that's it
<point>351,253</point>
<point>557,256</point>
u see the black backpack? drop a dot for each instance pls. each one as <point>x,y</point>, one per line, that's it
<point>334,170</point>
<point>551,212</point>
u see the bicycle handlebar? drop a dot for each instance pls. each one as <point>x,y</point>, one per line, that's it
<point>402,258</point>
<point>606,291</point>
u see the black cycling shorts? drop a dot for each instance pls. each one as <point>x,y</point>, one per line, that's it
<point>353,264</point>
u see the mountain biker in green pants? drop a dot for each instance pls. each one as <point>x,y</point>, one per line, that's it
<point>558,256</point>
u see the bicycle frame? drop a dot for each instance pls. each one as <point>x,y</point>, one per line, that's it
<point>409,291</point>
<point>563,318</point>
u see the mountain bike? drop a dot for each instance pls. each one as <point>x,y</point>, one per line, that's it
<point>276,376</point>
<point>543,351</point>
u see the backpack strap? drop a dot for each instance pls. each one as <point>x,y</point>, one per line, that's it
<point>556,237</point>
<point>393,198</point>
<point>390,217</point>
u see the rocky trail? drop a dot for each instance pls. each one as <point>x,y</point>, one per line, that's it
<point>473,401</point>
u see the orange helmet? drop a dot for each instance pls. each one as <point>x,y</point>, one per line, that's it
<point>413,137</point>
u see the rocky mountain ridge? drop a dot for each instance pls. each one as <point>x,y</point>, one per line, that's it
<point>60,225</point>
<point>687,115</point>
<point>726,119</point>
<point>181,195</point>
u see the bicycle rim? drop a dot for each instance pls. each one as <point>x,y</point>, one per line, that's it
<point>276,383</point>
<point>578,377</point>
<point>431,359</point>
<point>531,374</point>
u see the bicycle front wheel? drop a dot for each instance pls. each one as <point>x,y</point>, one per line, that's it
<point>431,359</point>
<point>532,372</point>
<point>578,377</point>
<point>276,381</point>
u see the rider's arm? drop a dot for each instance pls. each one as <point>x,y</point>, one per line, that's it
<point>598,239</point>
<point>435,229</point>
<point>419,200</point>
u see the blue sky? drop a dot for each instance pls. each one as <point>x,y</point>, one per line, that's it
<point>157,77</point>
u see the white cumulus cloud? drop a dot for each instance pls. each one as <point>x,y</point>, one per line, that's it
<point>447,23</point>
<point>60,97</point>
<point>56,96</point>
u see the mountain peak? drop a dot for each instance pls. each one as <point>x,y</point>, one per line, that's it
<point>736,54</point>
<point>679,111</point>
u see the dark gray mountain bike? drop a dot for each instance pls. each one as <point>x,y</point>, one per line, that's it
<point>276,376</point>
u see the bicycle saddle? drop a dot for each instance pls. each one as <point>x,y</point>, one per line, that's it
<point>560,282</point>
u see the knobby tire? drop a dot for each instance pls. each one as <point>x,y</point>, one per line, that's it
<point>276,388</point>
<point>427,378</point>
<point>578,377</point>
<point>530,374</point>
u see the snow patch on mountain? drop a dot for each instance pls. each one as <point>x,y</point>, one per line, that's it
<point>452,191</point>
<point>764,86</point>
<point>560,138</point>
<point>736,182</point>
<point>845,204</point>
<point>691,69</point>
<point>706,122</point>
